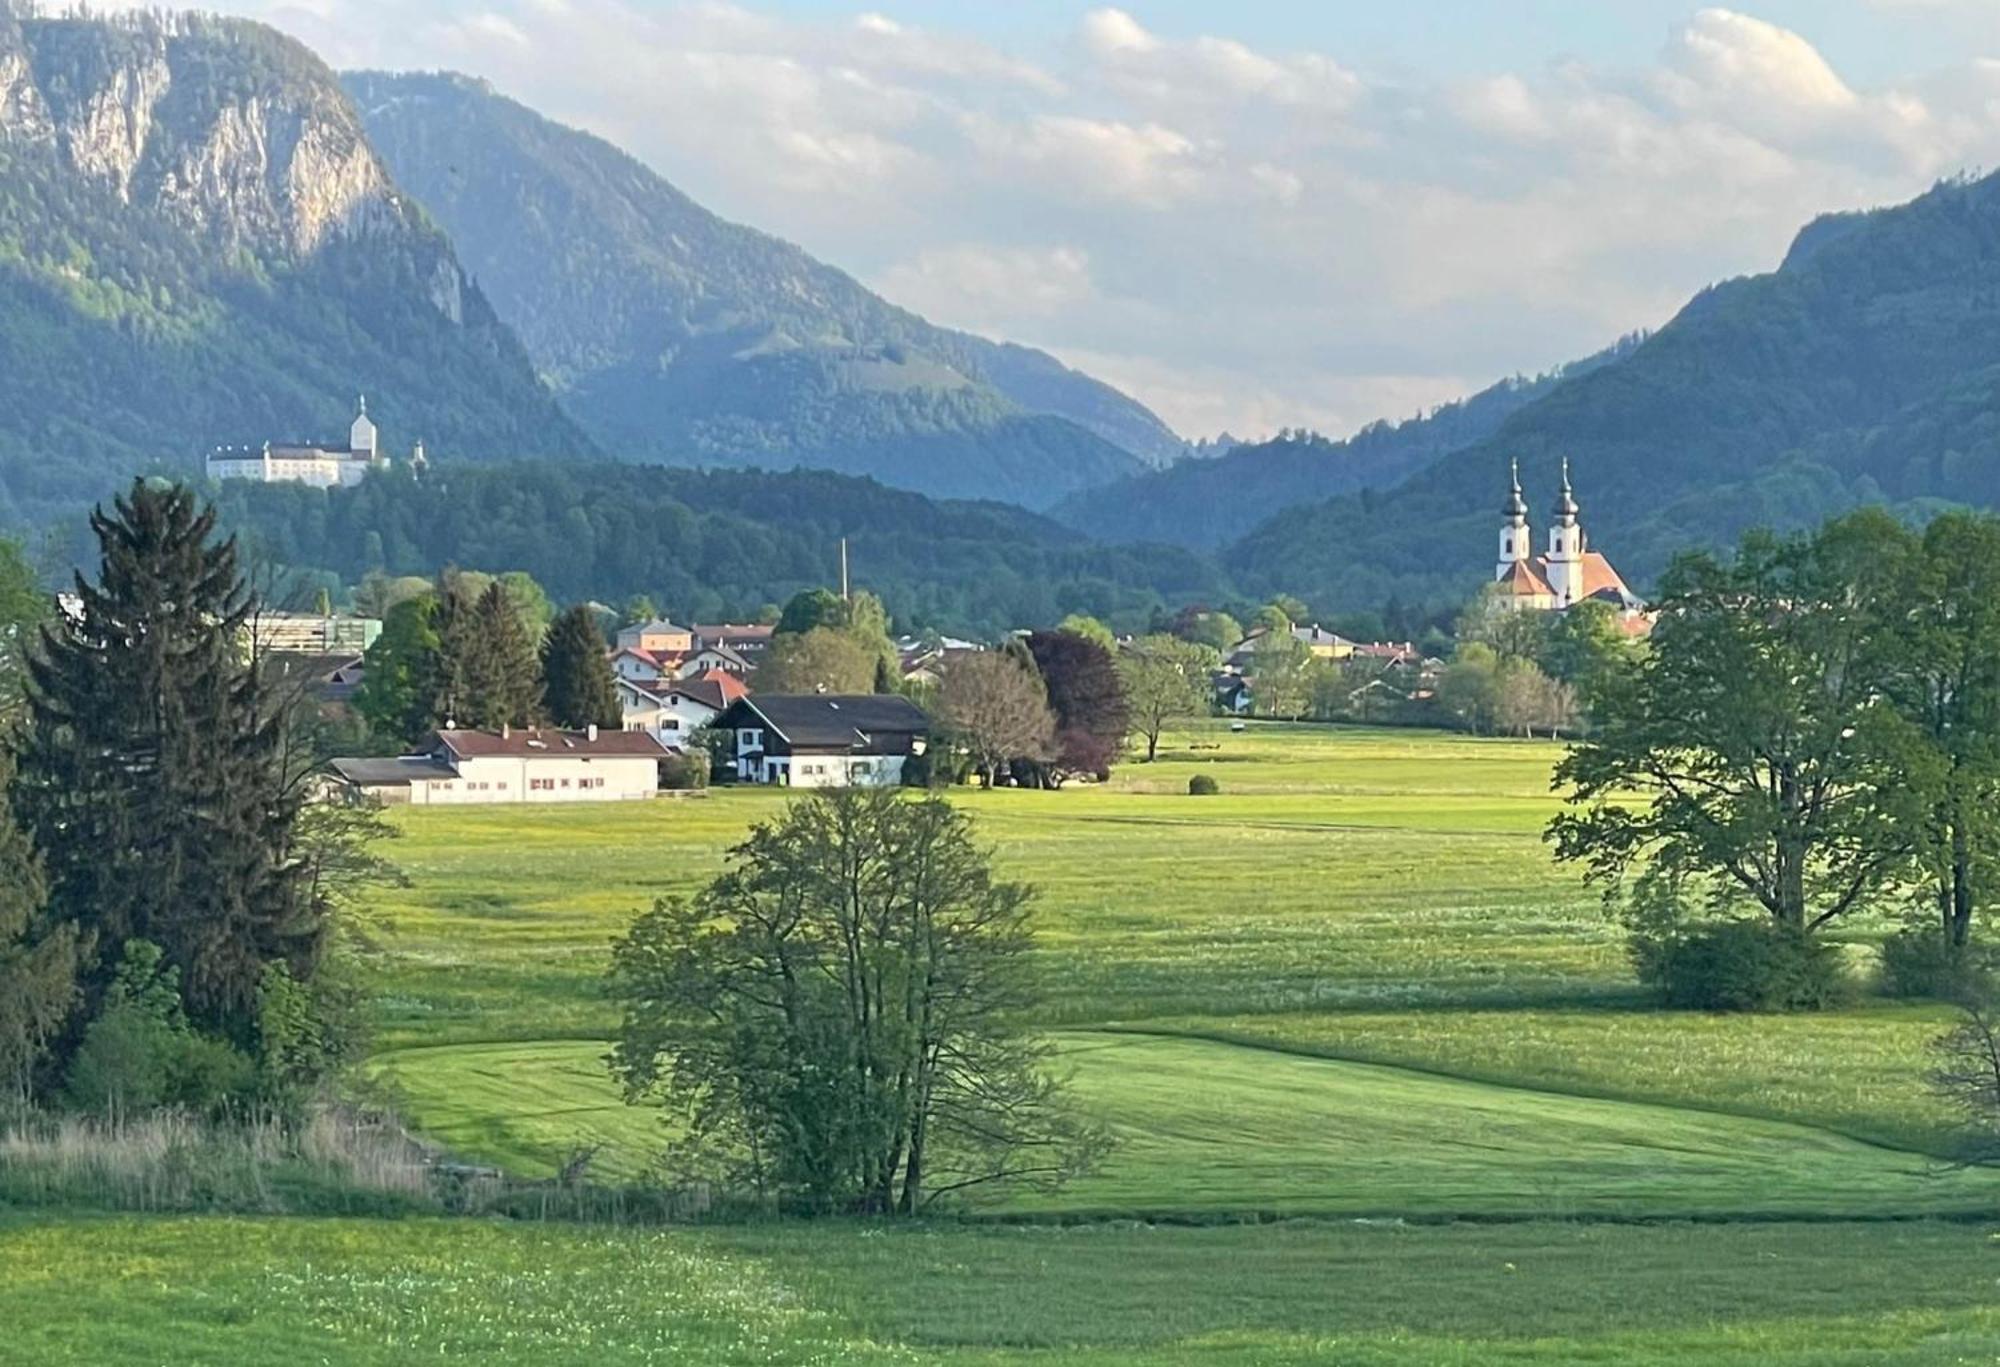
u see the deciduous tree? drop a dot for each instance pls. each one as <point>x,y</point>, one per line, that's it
<point>1165,679</point>
<point>823,660</point>
<point>995,709</point>
<point>843,1018</point>
<point>1745,733</point>
<point>1088,698</point>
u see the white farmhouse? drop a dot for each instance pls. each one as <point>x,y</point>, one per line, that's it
<point>675,709</point>
<point>459,767</point>
<point>824,740</point>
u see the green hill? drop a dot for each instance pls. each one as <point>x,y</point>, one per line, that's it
<point>674,336</point>
<point>1210,503</point>
<point>1866,368</point>
<point>719,544</point>
<point>198,247</point>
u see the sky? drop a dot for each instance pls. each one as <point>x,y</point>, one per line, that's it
<point>1261,214</point>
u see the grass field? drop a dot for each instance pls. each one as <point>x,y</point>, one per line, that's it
<point>1378,897</point>
<point>117,1291</point>
<point>1330,1015</point>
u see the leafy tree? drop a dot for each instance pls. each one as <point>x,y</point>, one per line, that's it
<point>1272,618</point>
<point>1081,624</point>
<point>1965,1074</point>
<point>1469,691</point>
<point>1088,698</point>
<point>1745,733</point>
<point>151,777</point>
<point>1583,646</point>
<point>395,697</point>
<point>531,603</point>
<point>995,709</point>
<point>1217,630</point>
<point>1936,647</point>
<point>378,595</point>
<point>822,660</point>
<point>578,684</point>
<point>1165,679</point>
<point>39,957</point>
<point>1281,675</point>
<point>638,608</point>
<point>843,1018</point>
<point>811,608</point>
<point>1525,700</point>
<point>1491,619</point>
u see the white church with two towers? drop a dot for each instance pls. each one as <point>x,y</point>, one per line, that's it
<point>1568,573</point>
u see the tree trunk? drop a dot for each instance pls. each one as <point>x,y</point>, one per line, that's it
<point>1958,914</point>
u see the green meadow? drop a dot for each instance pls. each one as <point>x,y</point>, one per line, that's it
<point>1382,1085</point>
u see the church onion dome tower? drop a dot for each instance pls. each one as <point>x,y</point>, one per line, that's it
<point>1566,546</point>
<point>1515,538</point>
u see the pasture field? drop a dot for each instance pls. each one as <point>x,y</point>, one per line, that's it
<point>1376,897</point>
<point>113,1291</point>
<point>1383,1087</point>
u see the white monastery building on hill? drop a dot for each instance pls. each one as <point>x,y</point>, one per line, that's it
<point>1568,573</point>
<point>323,467</point>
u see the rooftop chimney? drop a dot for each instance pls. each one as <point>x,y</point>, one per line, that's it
<point>590,733</point>
<point>506,730</point>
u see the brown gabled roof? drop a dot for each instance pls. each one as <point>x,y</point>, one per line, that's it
<point>1599,576</point>
<point>1522,582</point>
<point>534,740</point>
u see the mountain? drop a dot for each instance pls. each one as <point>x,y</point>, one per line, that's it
<point>1865,369</point>
<point>674,336</point>
<point>197,247</point>
<point>1209,503</point>
<point>717,544</point>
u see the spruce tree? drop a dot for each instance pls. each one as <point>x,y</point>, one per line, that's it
<point>503,675</point>
<point>150,776</point>
<point>579,688</point>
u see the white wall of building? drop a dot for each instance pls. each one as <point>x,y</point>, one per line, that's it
<point>542,778</point>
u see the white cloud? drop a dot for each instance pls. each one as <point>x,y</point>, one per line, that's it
<point>1247,236</point>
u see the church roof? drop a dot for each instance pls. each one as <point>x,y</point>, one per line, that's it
<point>1521,581</point>
<point>1599,576</point>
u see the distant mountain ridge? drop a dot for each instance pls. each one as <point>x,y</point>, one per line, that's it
<point>672,335</point>
<point>198,246</point>
<point>1207,504</point>
<point>1865,369</point>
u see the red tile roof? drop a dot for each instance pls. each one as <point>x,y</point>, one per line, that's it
<point>1522,582</point>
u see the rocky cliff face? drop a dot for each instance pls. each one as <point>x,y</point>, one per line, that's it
<point>226,129</point>
<point>200,247</point>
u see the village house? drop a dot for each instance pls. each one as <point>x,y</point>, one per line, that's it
<point>749,641</point>
<point>673,710</point>
<point>824,740</point>
<point>529,764</point>
<point>657,637</point>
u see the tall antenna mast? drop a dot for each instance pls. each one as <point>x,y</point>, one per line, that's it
<point>845,597</point>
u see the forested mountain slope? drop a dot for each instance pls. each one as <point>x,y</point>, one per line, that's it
<point>1209,503</point>
<point>675,336</point>
<point>719,544</point>
<point>1865,369</point>
<point>197,246</point>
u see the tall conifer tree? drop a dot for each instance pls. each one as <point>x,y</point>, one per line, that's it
<point>580,690</point>
<point>150,774</point>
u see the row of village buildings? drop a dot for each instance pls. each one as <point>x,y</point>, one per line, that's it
<point>678,687</point>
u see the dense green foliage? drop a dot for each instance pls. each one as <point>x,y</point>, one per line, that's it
<point>152,776</point>
<point>1207,504</point>
<point>143,320</point>
<point>577,683</point>
<point>676,337</point>
<point>718,546</point>
<point>1862,370</point>
<point>843,1018</point>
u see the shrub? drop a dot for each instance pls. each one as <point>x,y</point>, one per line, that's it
<point>1203,785</point>
<point>1746,965</point>
<point>683,773</point>
<point>140,1051</point>
<point>1919,963</point>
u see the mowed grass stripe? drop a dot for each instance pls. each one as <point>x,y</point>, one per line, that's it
<point>1208,1129</point>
